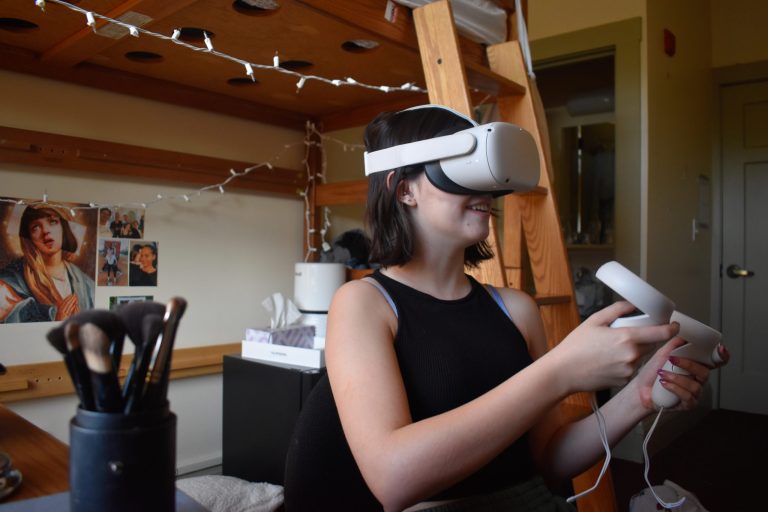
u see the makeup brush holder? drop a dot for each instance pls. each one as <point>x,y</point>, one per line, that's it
<point>122,462</point>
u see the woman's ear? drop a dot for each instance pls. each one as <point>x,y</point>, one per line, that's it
<point>405,193</point>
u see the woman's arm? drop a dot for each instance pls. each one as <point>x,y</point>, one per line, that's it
<point>405,462</point>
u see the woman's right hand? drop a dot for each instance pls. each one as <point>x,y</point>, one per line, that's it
<point>595,356</point>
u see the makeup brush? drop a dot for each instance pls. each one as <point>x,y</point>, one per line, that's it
<point>80,375</point>
<point>133,388</point>
<point>58,341</point>
<point>133,315</point>
<point>111,325</point>
<point>96,347</point>
<point>156,388</point>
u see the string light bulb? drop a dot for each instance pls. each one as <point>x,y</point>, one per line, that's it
<point>40,4</point>
<point>221,189</point>
<point>133,30</point>
<point>276,60</point>
<point>249,71</point>
<point>300,84</point>
<point>90,20</point>
<point>208,42</point>
<point>176,34</point>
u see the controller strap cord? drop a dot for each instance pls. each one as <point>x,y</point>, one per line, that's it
<point>606,446</point>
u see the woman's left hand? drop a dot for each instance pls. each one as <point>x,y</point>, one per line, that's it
<point>687,387</point>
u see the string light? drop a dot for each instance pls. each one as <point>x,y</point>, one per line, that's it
<point>40,4</point>
<point>175,38</point>
<point>300,84</point>
<point>249,71</point>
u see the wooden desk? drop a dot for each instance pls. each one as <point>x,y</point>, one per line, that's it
<point>42,459</point>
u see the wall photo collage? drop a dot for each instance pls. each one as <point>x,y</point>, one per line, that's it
<point>53,255</point>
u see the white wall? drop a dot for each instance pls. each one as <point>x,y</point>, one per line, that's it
<point>738,31</point>
<point>223,253</point>
<point>679,140</point>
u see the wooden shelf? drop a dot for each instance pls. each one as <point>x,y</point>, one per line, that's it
<point>38,380</point>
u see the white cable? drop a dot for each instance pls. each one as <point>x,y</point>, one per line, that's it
<point>648,466</point>
<point>606,447</point>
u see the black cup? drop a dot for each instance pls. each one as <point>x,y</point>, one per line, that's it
<point>123,462</point>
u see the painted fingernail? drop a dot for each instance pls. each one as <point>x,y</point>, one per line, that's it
<point>723,350</point>
<point>674,360</point>
<point>663,382</point>
<point>660,372</point>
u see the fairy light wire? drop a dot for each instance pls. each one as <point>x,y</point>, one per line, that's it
<point>247,65</point>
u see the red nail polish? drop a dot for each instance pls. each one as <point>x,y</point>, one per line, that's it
<point>674,360</point>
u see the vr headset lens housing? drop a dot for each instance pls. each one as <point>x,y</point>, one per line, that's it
<point>496,158</point>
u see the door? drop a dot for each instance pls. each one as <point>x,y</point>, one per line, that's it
<point>744,382</point>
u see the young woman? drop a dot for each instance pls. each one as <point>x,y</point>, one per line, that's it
<point>43,285</point>
<point>445,399</point>
<point>144,268</point>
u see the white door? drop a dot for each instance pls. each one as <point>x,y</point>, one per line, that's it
<point>744,382</point>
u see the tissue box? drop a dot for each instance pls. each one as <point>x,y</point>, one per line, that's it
<point>292,336</point>
<point>312,358</point>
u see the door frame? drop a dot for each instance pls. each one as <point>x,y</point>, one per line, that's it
<point>624,40</point>
<point>725,76</point>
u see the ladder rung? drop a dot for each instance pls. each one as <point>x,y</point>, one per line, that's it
<point>486,81</point>
<point>552,299</point>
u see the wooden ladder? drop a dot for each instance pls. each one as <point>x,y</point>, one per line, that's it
<point>530,219</point>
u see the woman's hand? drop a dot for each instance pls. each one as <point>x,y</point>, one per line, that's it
<point>8,300</point>
<point>67,307</point>
<point>596,356</point>
<point>687,387</point>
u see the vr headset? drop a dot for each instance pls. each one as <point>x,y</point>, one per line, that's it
<point>493,158</point>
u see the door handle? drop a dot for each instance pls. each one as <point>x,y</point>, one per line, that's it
<point>735,271</point>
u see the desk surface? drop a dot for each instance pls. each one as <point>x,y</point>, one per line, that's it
<point>42,459</point>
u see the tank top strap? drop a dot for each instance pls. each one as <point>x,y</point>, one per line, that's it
<point>383,291</point>
<point>497,297</point>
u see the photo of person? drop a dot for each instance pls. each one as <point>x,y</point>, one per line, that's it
<point>47,259</point>
<point>113,263</point>
<point>127,223</point>
<point>106,218</point>
<point>143,264</point>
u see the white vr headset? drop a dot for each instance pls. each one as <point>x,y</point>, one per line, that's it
<point>493,158</point>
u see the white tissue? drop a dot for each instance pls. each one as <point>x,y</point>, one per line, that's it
<point>282,312</point>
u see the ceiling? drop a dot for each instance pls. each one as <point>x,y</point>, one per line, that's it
<point>326,38</point>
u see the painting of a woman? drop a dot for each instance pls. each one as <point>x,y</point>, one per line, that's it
<point>44,284</point>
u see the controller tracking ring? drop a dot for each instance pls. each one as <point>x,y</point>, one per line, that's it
<point>643,296</point>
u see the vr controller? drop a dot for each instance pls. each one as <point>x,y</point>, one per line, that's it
<point>657,309</point>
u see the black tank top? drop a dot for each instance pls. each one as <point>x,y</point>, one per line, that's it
<point>449,352</point>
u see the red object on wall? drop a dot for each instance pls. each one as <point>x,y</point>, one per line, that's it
<point>669,43</point>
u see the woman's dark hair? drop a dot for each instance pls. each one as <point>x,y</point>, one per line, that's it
<point>388,219</point>
<point>68,240</point>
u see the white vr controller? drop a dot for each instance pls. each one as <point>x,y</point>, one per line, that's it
<point>657,309</point>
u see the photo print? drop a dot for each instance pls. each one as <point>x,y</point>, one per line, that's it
<point>47,260</point>
<point>117,301</point>
<point>126,222</point>
<point>112,264</point>
<point>143,263</point>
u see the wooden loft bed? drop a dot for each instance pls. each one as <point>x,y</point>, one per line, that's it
<point>312,37</point>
